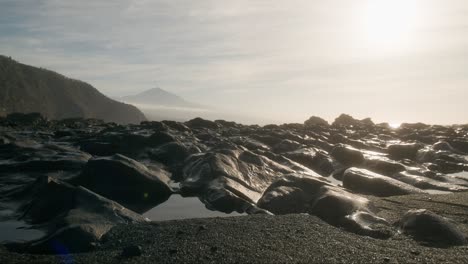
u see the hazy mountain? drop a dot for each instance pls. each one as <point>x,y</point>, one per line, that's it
<point>158,96</point>
<point>27,89</point>
<point>158,104</point>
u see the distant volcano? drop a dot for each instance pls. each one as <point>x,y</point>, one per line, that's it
<point>158,96</point>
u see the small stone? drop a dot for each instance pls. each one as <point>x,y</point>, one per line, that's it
<point>415,252</point>
<point>202,227</point>
<point>131,251</point>
<point>386,259</point>
<point>172,251</point>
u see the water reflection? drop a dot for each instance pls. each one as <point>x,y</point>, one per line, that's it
<point>16,231</point>
<point>178,207</point>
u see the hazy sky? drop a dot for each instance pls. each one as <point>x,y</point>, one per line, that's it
<point>392,60</point>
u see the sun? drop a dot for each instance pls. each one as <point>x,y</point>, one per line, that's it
<point>388,24</point>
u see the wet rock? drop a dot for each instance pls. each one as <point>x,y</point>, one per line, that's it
<point>460,144</point>
<point>367,182</point>
<point>315,160</point>
<point>231,179</point>
<point>404,151</point>
<point>347,120</point>
<point>414,126</point>
<point>202,123</point>
<point>383,166</point>
<point>428,227</point>
<point>227,124</point>
<point>347,155</point>
<point>158,138</point>
<point>423,182</point>
<point>171,154</point>
<point>155,125</point>
<point>112,143</point>
<point>315,121</point>
<point>29,155</point>
<point>444,146</point>
<point>176,126</point>
<point>299,194</point>
<point>73,217</point>
<point>286,145</point>
<point>126,181</point>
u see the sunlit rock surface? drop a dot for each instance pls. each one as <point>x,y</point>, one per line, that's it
<point>77,177</point>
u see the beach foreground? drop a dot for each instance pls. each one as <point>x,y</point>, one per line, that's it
<point>264,238</point>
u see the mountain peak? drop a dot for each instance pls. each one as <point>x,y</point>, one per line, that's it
<point>157,96</point>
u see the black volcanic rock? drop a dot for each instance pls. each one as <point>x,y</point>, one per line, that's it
<point>231,179</point>
<point>316,121</point>
<point>20,156</point>
<point>229,167</point>
<point>404,151</point>
<point>347,155</point>
<point>315,160</point>
<point>27,89</point>
<point>383,166</point>
<point>367,182</point>
<point>347,120</point>
<point>202,123</point>
<point>299,194</point>
<point>430,228</point>
<point>73,217</point>
<point>126,181</point>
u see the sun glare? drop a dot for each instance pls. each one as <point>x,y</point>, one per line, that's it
<point>388,24</point>
<point>395,125</point>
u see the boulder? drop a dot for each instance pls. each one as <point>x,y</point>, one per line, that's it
<point>227,180</point>
<point>74,218</point>
<point>294,194</point>
<point>347,120</point>
<point>202,123</point>
<point>315,160</point>
<point>460,144</point>
<point>347,155</point>
<point>404,151</point>
<point>315,121</point>
<point>367,182</point>
<point>158,138</point>
<point>286,145</point>
<point>383,166</point>
<point>126,181</point>
<point>430,228</point>
<point>424,183</point>
<point>171,154</point>
<point>29,155</point>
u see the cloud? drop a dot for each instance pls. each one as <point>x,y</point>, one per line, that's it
<point>303,55</point>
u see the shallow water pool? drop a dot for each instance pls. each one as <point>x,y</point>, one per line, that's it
<point>17,231</point>
<point>178,207</point>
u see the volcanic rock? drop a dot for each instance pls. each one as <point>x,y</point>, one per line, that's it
<point>428,227</point>
<point>126,181</point>
<point>367,182</point>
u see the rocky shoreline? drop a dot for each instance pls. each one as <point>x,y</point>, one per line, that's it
<point>294,238</point>
<point>352,191</point>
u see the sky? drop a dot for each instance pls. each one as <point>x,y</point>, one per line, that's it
<point>392,60</point>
